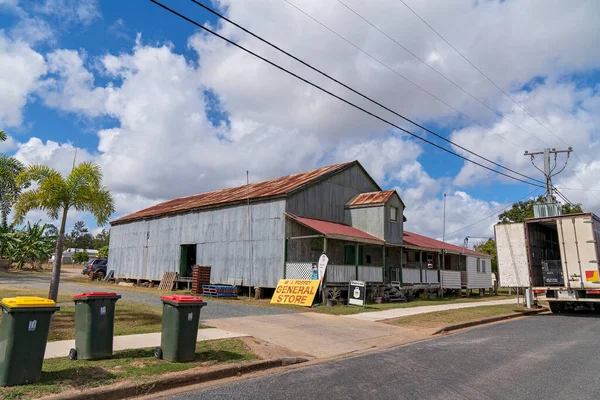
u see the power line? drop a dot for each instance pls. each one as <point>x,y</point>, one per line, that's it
<point>402,76</point>
<point>330,93</point>
<point>495,213</point>
<point>580,189</point>
<point>493,83</point>
<point>354,90</point>
<point>482,73</point>
<point>438,72</point>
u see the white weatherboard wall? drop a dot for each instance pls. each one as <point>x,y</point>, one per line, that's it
<point>148,249</point>
<point>478,280</point>
<point>513,264</point>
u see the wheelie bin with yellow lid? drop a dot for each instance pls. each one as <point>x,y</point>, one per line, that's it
<point>23,336</point>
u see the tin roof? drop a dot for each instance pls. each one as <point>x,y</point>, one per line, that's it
<point>260,190</point>
<point>416,240</point>
<point>371,198</point>
<point>336,230</point>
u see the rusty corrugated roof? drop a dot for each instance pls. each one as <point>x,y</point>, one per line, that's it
<point>336,230</point>
<point>416,240</point>
<point>371,198</point>
<point>270,188</point>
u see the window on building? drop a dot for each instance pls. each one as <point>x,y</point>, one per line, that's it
<point>368,259</point>
<point>394,213</point>
<point>350,254</point>
<point>478,265</point>
<point>483,266</point>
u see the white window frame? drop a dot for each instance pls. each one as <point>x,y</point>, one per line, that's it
<point>479,265</point>
<point>393,213</point>
<point>483,266</point>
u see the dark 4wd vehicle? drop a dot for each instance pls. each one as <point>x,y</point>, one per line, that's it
<point>96,267</point>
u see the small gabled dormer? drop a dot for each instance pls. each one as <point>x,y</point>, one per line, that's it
<point>379,213</point>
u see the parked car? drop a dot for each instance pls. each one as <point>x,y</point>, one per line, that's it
<point>97,266</point>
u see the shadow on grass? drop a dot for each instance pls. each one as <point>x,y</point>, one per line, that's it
<point>78,376</point>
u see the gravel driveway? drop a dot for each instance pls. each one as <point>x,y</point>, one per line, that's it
<point>213,310</point>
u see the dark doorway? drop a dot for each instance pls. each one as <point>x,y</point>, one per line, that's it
<point>187,259</point>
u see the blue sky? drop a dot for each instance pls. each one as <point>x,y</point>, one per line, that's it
<point>168,111</point>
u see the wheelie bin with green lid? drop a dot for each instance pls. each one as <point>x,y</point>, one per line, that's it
<point>181,315</point>
<point>23,336</point>
<point>94,325</point>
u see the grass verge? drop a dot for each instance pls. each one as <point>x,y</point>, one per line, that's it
<point>130,317</point>
<point>451,317</point>
<point>61,374</point>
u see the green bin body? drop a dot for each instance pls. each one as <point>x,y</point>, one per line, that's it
<point>181,316</point>
<point>23,337</point>
<point>94,324</point>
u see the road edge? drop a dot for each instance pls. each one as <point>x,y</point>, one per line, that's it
<point>177,380</point>
<point>489,320</point>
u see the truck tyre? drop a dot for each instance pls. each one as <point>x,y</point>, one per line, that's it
<point>557,307</point>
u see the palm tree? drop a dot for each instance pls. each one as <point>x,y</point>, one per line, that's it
<point>10,167</point>
<point>81,190</point>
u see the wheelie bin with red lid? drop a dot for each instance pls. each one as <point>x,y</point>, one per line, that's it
<point>94,325</point>
<point>181,316</point>
<point>23,336</point>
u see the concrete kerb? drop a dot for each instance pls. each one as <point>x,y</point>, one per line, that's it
<point>176,380</point>
<point>489,320</point>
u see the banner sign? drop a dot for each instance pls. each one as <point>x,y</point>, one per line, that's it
<point>323,260</point>
<point>299,292</point>
<point>357,293</point>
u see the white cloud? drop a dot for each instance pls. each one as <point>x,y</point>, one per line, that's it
<point>170,139</point>
<point>32,30</point>
<point>21,68</point>
<point>82,11</point>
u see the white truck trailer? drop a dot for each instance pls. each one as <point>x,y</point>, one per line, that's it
<point>556,255</point>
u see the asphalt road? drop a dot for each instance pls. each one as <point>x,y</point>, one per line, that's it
<point>213,309</point>
<point>538,357</point>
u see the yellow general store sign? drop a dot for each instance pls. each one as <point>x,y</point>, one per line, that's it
<point>298,292</point>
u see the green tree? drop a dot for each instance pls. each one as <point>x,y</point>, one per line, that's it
<point>10,168</point>
<point>80,257</point>
<point>6,236</point>
<point>102,239</point>
<point>523,210</point>
<point>489,247</point>
<point>81,190</point>
<point>103,251</point>
<point>30,245</point>
<point>80,237</point>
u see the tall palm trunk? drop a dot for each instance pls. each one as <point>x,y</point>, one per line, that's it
<point>55,280</point>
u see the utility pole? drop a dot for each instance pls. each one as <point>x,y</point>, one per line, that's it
<point>548,170</point>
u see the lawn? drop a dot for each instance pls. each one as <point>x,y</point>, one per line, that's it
<point>130,317</point>
<point>14,291</point>
<point>451,317</point>
<point>61,374</point>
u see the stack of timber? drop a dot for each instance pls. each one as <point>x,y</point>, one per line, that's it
<point>168,281</point>
<point>392,294</point>
<point>200,278</point>
<point>219,290</point>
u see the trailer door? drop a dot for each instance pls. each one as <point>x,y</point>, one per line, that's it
<point>513,260</point>
<point>578,251</point>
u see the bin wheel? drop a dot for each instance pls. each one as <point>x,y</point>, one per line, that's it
<point>73,355</point>
<point>158,353</point>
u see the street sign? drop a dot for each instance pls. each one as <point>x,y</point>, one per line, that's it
<point>357,293</point>
<point>323,260</point>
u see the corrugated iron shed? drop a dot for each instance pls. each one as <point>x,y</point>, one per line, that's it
<point>371,198</point>
<point>261,190</point>
<point>416,240</point>
<point>336,231</point>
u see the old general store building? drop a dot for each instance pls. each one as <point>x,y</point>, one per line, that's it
<point>256,234</point>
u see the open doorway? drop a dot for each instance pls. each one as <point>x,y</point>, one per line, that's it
<point>187,259</point>
<point>544,253</point>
